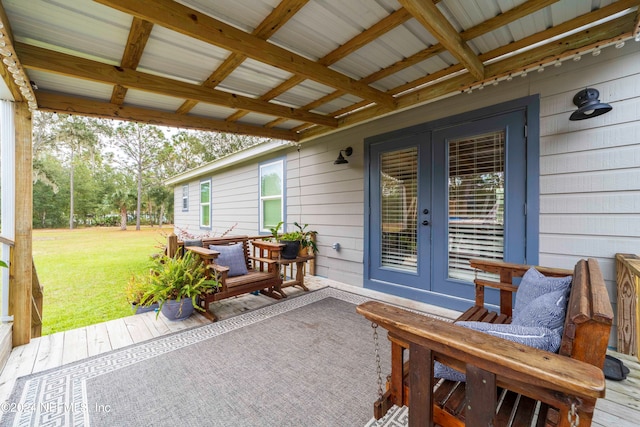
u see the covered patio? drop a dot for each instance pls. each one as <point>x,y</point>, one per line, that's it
<point>619,408</point>
<point>310,73</point>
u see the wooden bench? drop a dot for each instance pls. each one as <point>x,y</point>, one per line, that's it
<point>263,271</point>
<point>507,383</point>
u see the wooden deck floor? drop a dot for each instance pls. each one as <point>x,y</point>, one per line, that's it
<point>620,408</point>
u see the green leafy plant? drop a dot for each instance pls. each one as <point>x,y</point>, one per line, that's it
<point>175,278</point>
<point>275,231</point>
<point>307,237</point>
<point>136,287</point>
<point>3,264</point>
<point>292,236</point>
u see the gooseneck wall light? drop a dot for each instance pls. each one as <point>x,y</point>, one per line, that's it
<point>341,160</point>
<point>588,105</point>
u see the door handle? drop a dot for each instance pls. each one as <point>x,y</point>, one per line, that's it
<point>426,211</point>
<point>425,222</point>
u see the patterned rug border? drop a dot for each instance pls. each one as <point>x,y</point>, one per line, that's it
<point>61,391</point>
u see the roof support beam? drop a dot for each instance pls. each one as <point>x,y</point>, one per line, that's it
<point>22,265</point>
<point>194,24</point>
<point>73,66</point>
<point>498,21</point>
<point>87,107</point>
<point>618,29</point>
<point>137,40</point>
<point>430,17</point>
<point>268,27</point>
<point>387,24</point>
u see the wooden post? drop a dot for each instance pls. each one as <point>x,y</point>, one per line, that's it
<point>20,293</point>
<point>628,281</point>
<point>172,245</point>
<point>36,307</point>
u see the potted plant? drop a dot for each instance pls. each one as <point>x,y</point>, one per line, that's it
<point>307,239</point>
<point>175,284</point>
<point>292,242</point>
<point>137,286</point>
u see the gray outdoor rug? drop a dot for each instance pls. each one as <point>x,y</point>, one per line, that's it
<point>305,361</point>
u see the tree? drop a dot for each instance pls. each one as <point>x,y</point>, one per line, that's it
<point>137,146</point>
<point>78,138</point>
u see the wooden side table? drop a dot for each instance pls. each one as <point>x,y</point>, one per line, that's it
<point>300,266</point>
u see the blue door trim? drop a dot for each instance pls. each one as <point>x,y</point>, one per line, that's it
<point>530,106</point>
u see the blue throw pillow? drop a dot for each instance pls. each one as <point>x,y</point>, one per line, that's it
<point>538,337</point>
<point>231,256</point>
<point>535,284</point>
<point>547,311</point>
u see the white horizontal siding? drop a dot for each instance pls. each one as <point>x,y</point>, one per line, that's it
<point>589,171</point>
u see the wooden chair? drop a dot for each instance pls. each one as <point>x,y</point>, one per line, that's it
<point>262,271</point>
<point>507,383</point>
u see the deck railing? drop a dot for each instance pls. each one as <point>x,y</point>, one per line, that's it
<point>628,280</point>
<point>36,290</point>
<point>7,255</point>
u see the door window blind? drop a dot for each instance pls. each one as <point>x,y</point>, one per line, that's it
<point>476,202</point>
<point>398,199</point>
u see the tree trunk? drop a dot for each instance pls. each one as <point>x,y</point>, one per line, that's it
<point>139,204</point>
<point>123,218</point>
<point>71,193</point>
<point>161,216</point>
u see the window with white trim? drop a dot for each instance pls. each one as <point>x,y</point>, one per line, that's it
<point>205,204</point>
<point>271,194</point>
<point>185,198</point>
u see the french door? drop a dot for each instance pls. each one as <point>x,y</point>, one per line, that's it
<point>441,197</point>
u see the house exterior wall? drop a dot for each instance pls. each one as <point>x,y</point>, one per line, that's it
<point>589,171</point>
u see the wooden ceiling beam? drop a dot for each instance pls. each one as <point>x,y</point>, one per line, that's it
<point>268,27</point>
<point>136,42</point>
<point>383,26</point>
<point>73,66</point>
<point>194,24</point>
<point>75,105</point>
<point>612,31</point>
<point>489,25</point>
<point>552,32</point>
<point>430,17</point>
<point>565,27</point>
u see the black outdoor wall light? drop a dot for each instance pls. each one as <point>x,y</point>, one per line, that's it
<point>588,105</point>
<point>341,160</point>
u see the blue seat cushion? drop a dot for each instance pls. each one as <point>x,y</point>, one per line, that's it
<point>532,336</point>
<point>535,284</point>
<point>231,256</point>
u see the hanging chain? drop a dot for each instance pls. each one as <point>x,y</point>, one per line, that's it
<point>374,325</point>
<point>572,415</point>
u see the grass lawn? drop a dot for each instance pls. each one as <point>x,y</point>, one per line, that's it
<point>84,272</point>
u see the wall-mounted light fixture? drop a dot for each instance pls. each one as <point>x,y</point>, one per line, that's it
<point>588,105</point>
<point>341,160</point>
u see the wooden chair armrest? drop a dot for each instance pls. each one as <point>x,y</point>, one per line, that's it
<point>517,270</point>
<point>265,260</point>
<point>204,253</point>
<point>219,268</point>
<point>502,286</point>
<point>532,372</point>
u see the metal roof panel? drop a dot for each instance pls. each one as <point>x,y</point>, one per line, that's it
<point>57,83</point>
<point>171,54</point>
<point>71,27</point>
